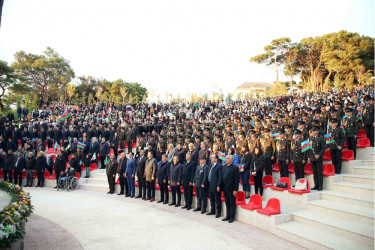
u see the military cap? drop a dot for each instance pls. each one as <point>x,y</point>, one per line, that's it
<point>348,110</point>
<point>334,120</point>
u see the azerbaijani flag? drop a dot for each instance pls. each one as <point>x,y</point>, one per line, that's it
<point>56,147</point>
<point>342,126</point>
<point>240,166</point>
<point>329,139</point>
<point>106,160</point>
<point>34,139</point>
<point>335,91</point>
<point>359,116</point>
<point>221,156</point>
<point>65,115</point>
<point>2,152</point>
<point>81,145</point>
<point>227,100</point>
<point>276,136</point>
<point>69,146</point>
<point>93,158</point>
<point>305,145</point>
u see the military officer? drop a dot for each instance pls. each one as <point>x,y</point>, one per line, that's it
<point>268,148</point>
<point>351,128</point>
<point>316,157</point>
<point>282,154</point>
<point>368,119</point>
<point>296,156</point>
<point>335,147</point>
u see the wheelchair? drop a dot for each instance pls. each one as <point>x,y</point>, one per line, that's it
<point>67,182</point>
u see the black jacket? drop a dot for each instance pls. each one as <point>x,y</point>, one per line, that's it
<point>41,164</point>
<point>230,178</point>
<point>216,173</point>
<point>8,162</point>
<point>30,163</point>
<point>141,164</point>
<point>199,174</point>
<point>163,170</point>
<point>123,165</point>
<point>20,164</point>
<point>188,171</point>
<point>258,163</point>
<point>175,173</point>
<point>60,163</point>
<point>246,160</point>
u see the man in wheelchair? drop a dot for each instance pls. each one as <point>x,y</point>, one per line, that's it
<point>67,176</point>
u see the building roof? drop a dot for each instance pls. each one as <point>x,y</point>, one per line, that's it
<point>248,85</point>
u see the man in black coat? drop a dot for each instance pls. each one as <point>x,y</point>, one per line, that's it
<point>121,172</point>
<point>174,180</point>
<point>141,164</point>
<point>188,171</point>
<point>201,189</point>
<point>229,182</point>
<point>19,166</point>
<point>94,147</point>
<point>8,164</point>
<point>30,167</point>
<point>60,165</point>
<point>316,158</point>
<point>162,179</point>
<point>211,179</point>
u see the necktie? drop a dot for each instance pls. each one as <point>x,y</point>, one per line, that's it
<point>209,175</point>
<point>17,161</point>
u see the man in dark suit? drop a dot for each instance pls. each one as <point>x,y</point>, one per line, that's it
<point>94,147</point>
<point>212,181</point>
<point>316,157</point>
<point>229,182</point>
<point>60,164</point>
<point>201,189</point>
<point>121,172</point>
<point>8,165</point>
<point>19,166</point>
<point>188,171</point>
<point>162,178</point>
<point>141,164</point>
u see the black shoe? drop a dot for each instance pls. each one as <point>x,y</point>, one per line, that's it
<point>160,201</point>
<point>165,202</point>
<point>172,204</point>
<point>120,193</point>
<point>137,197</point>
<point>293,186</point>
<point>217,216</point>
<point>203,212</point>
<point>109,192</point>
<point>320,189</point>
<point>86,177</point>
<point>225,219</point>
<point>37,186</point>
<point>128,195</point>
<point>231,220</point>
<point>184,207</point>
<point>28,185</point>
<point>197,209</point>
<point>53,187</point>
<point>112,192</point>
<point>315,188</point>
<point>178,205</point>
<point>188,208</point>
<point>132,196</point>
<point>211,213</point>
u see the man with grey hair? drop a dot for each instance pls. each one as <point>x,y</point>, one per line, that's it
<point>162,179</point>
<point>120,170</point>
<point>229,182</point>
<point>30,166</point>
<point>188,170</point>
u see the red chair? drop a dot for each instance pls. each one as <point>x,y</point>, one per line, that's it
<point>255,203</point>
<point>267,181</point>
<point>49,151</point>
<point>93,166</point>
<point>1,174</point>
<point>82,167</point>
<point>117,181</point>
<point>182,191</point>
<point>328,170</point>
<point>345,144</point>
<point>293,191</point>
<point>136,184</point>
<point>111,151</point>
<point>195,193</point>
<point>272,207</point>
<point>276,167</point>
<point>24,174</point>
<point>125,145</point>
<point>69,157</point>
<point>327,156</point>
<point>53,157</point>
<point>251,180</point>
<point>291,168</point>
<point>157,187</point>
<point>363,143</point>
<point>78,175</point>
<point>285,180</point>
<point>222,197</point>
<point>133,145</point>
<point>240,198</point>
<point>308,169</point>
<point>362,134</point>
<point>52,177</point>
<point>35,176</point>
<point>347,155</point>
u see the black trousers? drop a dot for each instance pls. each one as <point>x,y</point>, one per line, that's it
<point>130,144</point>
<point>268,166</point>
<point>57,173</point>
<point>215,201</point>
<point>299,170</point>
<point>150,189</point>
<point>176,190</point>
<point>123,184</point>
<point>142,186</point>
<point>258,185</point>
<point>111,183</point>
<point>40,176</point>
<point>230,202</point>
<point>370,133</point>
<point>352,145</point>
<point>188,195</point>
<point>102,159</point>
<point>7,174</point>
<point>336,156</point>
<point>18,177</point>
<point>164,194</point>
<point>284,172</point>
<point>201,197</point>
<point>317,167</point>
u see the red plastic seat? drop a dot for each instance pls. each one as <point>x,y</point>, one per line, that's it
<point>157,187</point>
<point>78,175</point>
<point>117,181</point>
<point>49,151</point>
<point>34,174</point>
<point>240,198</point>
<point>345,144</point>
<point>276,167</point>
<point>308,169</point>
<point>133,145</point>
<point>267,181</point>
<point>362,134</point>
<point>347,155</point>
<point>301,191</point>
<point>194,192</point>
<point>328,170</point>
<point>327,156</point>
<point>251,180</point>
<point>111,151</point>
<point>83,167</point>
<point>69,157</point>
<point>222,197</point>
<point>93,166</point>
<point>291,168</point>
<point>125,145</point>
<point>136,184</point>
<point>1,174</point>
<point>282,179</point>
<point>272,207</point>
<point>255,203</point>
<point>24,174</point>
<point>48,177</point>
<point>363,143</point>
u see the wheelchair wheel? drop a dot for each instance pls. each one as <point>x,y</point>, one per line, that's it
<point>61,184</point>
<point>74,183</point>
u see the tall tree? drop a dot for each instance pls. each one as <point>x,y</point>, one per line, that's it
<point>7,80</point>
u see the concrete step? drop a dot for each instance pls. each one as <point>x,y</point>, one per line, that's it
<point>364,179</point>
<point>351,199</point>
<point>354,188</point>
<point>350,229</point>
<point>370,163</point>
<point>316,238</point>
<point>342,210</point>
<point>364,170</point>
<point>97,187</point>
<point>96,180</point>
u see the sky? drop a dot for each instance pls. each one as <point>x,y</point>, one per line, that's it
<point>180,47</point>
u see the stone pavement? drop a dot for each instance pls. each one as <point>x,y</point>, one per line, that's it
<point>85,219</point>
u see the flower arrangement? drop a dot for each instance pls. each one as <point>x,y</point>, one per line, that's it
<point>14,216</point>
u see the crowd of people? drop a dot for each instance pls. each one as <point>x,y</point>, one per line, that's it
<point>204,148</point>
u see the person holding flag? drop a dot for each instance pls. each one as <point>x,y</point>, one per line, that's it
<point>335,140</point>
<point>297,157</point>
<point>315,157</point>
<point>103,152</point>
<point>351,130</point>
